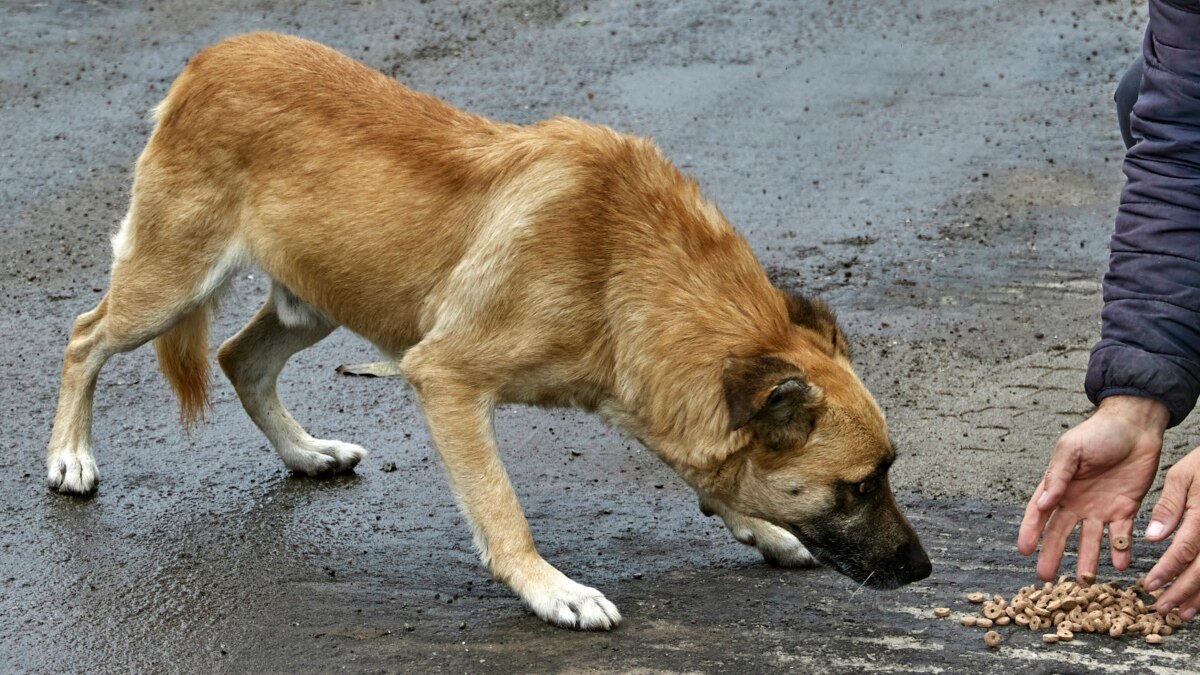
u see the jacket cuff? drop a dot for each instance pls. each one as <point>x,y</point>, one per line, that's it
<point>1115,369</point>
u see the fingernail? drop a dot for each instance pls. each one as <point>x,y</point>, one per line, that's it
<point>1188,613</point>
<point>1155,529</point>
<point>1043,501</point>
<point>1152,583</point>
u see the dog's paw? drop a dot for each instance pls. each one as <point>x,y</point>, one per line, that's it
<point>72,472</point>
<point>571,605</point>
<point>779,547</point>
<point>782,549</point>
<point>318,458</point>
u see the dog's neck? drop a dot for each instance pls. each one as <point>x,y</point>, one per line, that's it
<point>669,354</point>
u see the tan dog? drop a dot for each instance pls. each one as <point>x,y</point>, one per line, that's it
<point>556,264</point>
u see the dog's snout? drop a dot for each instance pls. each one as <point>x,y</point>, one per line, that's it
<point>913,563</point>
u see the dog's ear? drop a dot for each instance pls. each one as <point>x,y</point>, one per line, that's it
<point>816,316</point>
<point>773,398</point>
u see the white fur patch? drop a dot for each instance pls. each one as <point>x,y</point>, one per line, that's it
<point>122,241</point>
<point>291,310</point>
<point>233,257</point>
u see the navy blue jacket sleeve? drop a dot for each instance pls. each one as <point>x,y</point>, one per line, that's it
<point>1150,338</point>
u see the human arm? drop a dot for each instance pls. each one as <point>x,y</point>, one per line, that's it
<point>1150,335</point>
<point>1149,352</point>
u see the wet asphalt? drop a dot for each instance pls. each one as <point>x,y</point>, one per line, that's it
<point>943,173</point>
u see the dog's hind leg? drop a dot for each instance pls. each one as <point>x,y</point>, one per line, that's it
<point>161,287</point>
<point>458,409</point>
<point>252,360</point>
<point>778,546</point>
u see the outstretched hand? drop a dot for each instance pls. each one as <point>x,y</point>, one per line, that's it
<point>1099,474</point>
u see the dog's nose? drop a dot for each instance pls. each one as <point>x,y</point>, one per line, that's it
<point>914,563</point>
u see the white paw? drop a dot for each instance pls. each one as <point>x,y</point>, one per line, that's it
<point>781,548</point>
<point>315,457</point>
<point>72,472</point>
<point>571,605</point>
<point>778,546</point>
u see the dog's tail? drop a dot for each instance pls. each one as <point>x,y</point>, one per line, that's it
<point>183,358</point>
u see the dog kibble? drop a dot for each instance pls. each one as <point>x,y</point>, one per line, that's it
<point>991,639</point>
<point>941,612</point>
<point>1120,543</point>
<point>1071,607</point>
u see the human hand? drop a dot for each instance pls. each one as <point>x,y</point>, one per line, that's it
<point>1099,473</point>
<point>1180,565</point>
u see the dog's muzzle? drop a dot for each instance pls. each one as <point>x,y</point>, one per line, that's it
<point>912,563</point>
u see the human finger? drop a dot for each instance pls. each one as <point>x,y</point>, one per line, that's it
<point>1121,529</point>
<point>1180,555</point>
<point>1184,592</point>
<point>1054,542</point>
<point>1032,524</point>
<point>1190,607</point>
<point>1169,509</point>
<point>1063,465</point>
<point>1090,534</point>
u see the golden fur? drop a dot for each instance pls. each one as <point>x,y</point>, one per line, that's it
<point>560,263</point>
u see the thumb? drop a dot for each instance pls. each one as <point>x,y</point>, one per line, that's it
<point>1063,465</point>
<point>1170,506</point>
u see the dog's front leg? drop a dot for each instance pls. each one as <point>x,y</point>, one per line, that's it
<point>778,546</point>
<point>459,416</point>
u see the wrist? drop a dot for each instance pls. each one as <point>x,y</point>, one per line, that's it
<point>1147,414</point>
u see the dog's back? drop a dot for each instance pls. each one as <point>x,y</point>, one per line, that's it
<point>395,214</point>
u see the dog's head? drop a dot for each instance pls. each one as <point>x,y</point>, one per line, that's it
<point>817,454</point>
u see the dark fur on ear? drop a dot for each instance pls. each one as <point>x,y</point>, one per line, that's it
<point>771,396</point>
<point>816,316</point>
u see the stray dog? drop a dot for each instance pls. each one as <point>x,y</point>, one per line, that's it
<point>556,264</point>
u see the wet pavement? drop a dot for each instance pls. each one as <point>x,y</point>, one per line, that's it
<point>944,173</point>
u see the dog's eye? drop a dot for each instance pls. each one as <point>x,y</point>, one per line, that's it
<point>866,487</point>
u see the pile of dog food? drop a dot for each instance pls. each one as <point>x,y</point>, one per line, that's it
<point>1071,607</point>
